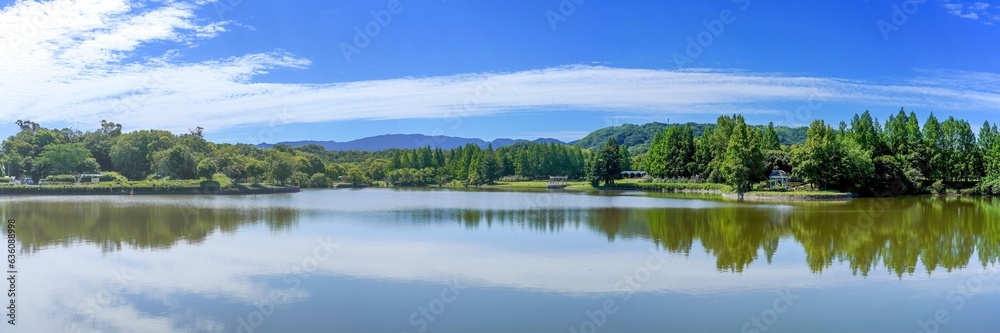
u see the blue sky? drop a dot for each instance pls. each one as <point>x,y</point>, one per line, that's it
<point>252,71</point>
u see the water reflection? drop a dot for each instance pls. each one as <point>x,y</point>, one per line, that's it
<point>143,225</point>
<point>199,263</point>
<point>894,233</point>
<point>899,234</point>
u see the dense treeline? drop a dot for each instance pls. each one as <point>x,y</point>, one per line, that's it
<point>639,138</point>
<point>475,166</point>
<point>36,152</point>
<point>864,156</point>
<point>899,157</point>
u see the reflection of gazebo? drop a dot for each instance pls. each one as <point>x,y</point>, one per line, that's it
<point>778,180</point>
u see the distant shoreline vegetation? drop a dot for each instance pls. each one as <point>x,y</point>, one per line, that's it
<point>864,157</point>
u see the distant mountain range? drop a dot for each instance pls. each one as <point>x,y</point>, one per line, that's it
<point>407,141</point>
<point>636,137</point>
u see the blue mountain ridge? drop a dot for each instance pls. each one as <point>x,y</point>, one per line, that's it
<point>407,141</point>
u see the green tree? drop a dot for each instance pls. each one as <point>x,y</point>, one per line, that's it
<point>131,153</point>
<point>718,145</point>
<point>67,158</point>
<point>489,168</point>
<point>207,169</point>
<point>177,162</point>
<point>867,132</point>
<point>989,145</point>
<point>282,170</point>
<point>355,176</point>
<point>827,160</point>
<point>625,157</point>
<point>607,163</point>
<point>812,159</point>
<point>374,168</point>
<point>318,180</point>
<point>769,138</point>
<point>672,153</point>
<point>300,179</point>
<point>937,149</point>
<point>335,172</point>
<point>255,169</point>
<point>744,161</point>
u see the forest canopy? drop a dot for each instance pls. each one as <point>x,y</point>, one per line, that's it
<point>900,156</point>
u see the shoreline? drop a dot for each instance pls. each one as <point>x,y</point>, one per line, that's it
<point>125,190</point>
<point>779,196</point>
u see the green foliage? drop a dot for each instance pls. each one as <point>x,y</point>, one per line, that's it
<point>777,160</point>
<point>255,170</point>
<point>489,168</point>
<point>60,179</point>
<point>607,164</point>
<point>177,162</point>
<point>411,177</point>
<point>938,187</point>
<point>672,153</point>
<point>867,132</point>
<point>626,158</point>
<point>68,158</point>
<point>830,161</point>
<point>300,179</point>
<point>281,170</point>
<point>474,179</point>
<point>207,168</point>
<point>769,138</point>
<point>355,176</point>
<point>639,138</point>
<point>743,163</point>
<point>131,153</point>
<point>680,187</point>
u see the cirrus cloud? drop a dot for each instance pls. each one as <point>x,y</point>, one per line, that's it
<point>73,62</point>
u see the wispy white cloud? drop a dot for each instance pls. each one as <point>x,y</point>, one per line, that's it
<point>972,10</point>
<point>75,61</point>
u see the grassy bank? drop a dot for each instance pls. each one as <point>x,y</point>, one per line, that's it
<point>145,188</point>
<point>620,185</point>
<point>792,196</point>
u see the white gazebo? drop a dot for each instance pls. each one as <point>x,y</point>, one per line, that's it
<point>778,180</point>
<point>558,182</point>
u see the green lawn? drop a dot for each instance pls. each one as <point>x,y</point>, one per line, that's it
<point>619,184</point>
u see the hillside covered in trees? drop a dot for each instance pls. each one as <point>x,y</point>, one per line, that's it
<point>638,138</point>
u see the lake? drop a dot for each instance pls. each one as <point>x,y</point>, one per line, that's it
<point>384,260</point>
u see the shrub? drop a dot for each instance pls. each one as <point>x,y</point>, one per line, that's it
<point>60,179</point>
<point>938,188</point>
<point>318,180</point>
<point>223,180</point>
<point>111,176</point>
<point>514,178</point>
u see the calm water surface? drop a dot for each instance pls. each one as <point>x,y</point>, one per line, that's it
<point>380,260</point>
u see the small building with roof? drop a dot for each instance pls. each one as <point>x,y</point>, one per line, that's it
<point>778,180</point>
<point>633,174</point>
